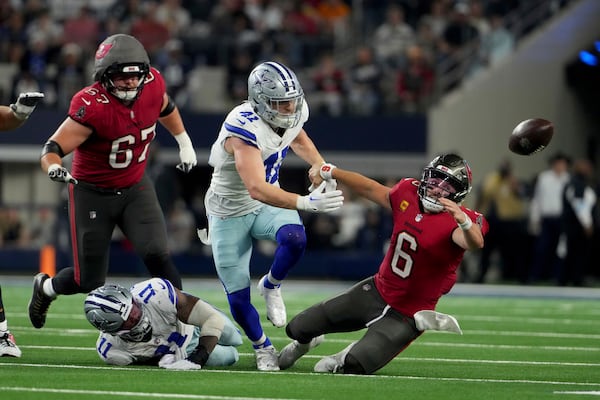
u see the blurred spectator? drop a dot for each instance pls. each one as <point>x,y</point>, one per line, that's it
<point>181,226</point>
<point>365,83</point>
<point>12,33</point>
<point>71,74</point>
<point>152,33</point>
<point>329,87</point>
<point>47,27</point>
<point>335,19</point>
<point>579,200</point>
<point>414,85</point>
<point>12,232</point>
<point>503,202</point>
<point>350,219</point>
<point>238,71</point>
<point>498,43</point>
<point>176,18</point>
<point>393,37</point>
<point>42,230</point>
<point>175,66</point>
<point>437,17</point>
<point>459,47</point>
<point>545,217</point>
<point>83,29</point>
<point>320,229</point>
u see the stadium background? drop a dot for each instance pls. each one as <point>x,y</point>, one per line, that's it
<point>542,77</point>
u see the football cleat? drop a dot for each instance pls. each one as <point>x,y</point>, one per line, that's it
<point>275,307</point>
<point>40,302</point>
<point>266,359</point>
<point>293,351</point>
<point>335,363</point>
<point>8,346</point>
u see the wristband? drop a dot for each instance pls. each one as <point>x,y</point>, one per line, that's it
<point>183,140</point>
<point>199,355</point>
<point>326,170</point>
<point>465,226</point>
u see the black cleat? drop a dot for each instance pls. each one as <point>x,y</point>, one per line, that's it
<point>39,303</point>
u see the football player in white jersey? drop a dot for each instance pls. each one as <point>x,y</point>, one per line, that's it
<point>245,202</point>
<point>156,323</point>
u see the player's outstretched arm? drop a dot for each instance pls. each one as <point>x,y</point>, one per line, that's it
<point>363,186</point>
<point>16,114</point>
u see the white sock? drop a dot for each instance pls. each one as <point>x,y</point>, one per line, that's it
<point>273,281</point>
<point>3,327</point>
<point>48,289</point>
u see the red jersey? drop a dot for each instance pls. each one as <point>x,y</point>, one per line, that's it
<point>115,154</point>
<point>421,262</point>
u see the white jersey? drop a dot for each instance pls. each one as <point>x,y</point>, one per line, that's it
<point>227,195</point>
<point>169,335</point>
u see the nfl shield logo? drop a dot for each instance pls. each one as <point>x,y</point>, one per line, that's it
<point>92,214</point>
<point>419,217</point>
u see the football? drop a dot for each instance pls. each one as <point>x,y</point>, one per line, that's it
<point>531,136</point>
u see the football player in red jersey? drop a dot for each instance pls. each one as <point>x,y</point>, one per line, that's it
<point>109,128</point>
<point>12,117</point>
<point>430,235</point>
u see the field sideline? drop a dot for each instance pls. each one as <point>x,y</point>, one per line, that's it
<point>518,343</point>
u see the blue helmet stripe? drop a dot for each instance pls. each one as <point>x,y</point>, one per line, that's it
<point>278,67</point>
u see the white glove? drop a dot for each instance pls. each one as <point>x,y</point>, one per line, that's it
<point>25,104</point>
<point>187,154</point>
<point>320,201</point>
<point>181,365</point>
<point>58,173</point>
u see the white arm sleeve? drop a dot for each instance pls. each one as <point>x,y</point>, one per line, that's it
<point>210,320</point>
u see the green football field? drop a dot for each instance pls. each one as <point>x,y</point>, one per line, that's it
<point>518,343</point>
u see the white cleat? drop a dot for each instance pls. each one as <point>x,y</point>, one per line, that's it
<point>335,363</point>
<point>8,347</point>
<point>266,359</point>
<point>275,307</point>
<point>293,351</point>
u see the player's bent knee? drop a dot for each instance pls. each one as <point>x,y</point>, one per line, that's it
<point>223,356</point>
<point>292,236</point>
<point>353,366</point>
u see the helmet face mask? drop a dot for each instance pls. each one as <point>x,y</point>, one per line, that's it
<point>112,309</point>
<point>116,57</point>
<point>276,94</point>
<point>446,176</point>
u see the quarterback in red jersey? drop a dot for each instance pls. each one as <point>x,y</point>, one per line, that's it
<point>109,128</point>
<point>431,232</point>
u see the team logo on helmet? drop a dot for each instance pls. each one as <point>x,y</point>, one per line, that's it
<point>103,50</point>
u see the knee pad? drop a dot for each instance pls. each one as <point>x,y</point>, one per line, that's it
<point>292,236</point>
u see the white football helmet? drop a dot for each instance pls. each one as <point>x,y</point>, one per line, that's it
<point>271,86</point>
<point>111,308</point>
<point>450,174</point>
<point>121,54</point>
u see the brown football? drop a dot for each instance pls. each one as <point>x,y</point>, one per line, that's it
<point>531,136</point>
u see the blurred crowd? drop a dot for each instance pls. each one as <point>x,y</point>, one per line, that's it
<point>377,56</point>
<point>542,230</point>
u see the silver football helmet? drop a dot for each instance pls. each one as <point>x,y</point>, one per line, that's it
<point>112,308</point>
<point>450,176</point>
<point>121,54</point>
<point>275,94</point>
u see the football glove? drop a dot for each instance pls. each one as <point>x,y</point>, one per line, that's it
<point>181,365</point>
<point>25,104</point>
<point>187,154</point>
<point>58,173</point>
<point>320,201</point>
